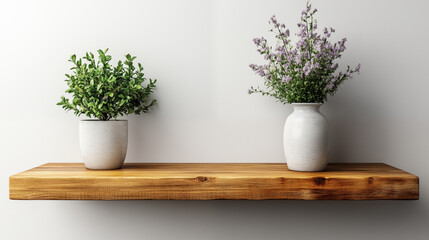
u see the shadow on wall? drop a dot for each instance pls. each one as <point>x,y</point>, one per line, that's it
<point>358,131</point>
<point>254,219</point>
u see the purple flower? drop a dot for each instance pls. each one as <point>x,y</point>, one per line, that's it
<point>286,79</point>
<point>300,44</point>
<point>316,65</point>
<point>331,85</point>
<point>256,41</point>
<point>348,74</point>
<point>273,19</point>
<point>310,58</point>
<point>357,69</point>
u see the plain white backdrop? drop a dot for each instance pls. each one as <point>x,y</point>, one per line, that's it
<point>200,51</point>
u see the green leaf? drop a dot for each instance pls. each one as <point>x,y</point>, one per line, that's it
<point>101,90</point>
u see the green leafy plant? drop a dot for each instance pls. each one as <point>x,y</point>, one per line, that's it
<point>103,91</point>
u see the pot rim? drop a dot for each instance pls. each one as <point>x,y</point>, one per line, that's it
<point>98,120</point>
<point>306,104</point>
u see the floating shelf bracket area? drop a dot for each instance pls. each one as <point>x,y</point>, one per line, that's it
<point>209,181</point>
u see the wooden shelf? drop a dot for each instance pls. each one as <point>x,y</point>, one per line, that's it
<point>206,181</point>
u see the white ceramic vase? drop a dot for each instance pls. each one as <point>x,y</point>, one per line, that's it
<point>306,138</point>
<point>103,144</point>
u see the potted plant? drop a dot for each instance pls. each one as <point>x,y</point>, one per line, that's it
<point>103,92</point>
<point>302,74</point>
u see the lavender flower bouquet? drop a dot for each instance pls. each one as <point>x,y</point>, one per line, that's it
<point>304,72</point>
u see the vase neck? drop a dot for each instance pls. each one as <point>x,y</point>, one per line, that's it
<point>300,107</point>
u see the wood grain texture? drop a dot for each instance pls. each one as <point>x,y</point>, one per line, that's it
<point>207,181</point>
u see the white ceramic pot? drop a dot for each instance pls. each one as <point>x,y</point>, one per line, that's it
<point>103,144</point>
<point>306,138</point>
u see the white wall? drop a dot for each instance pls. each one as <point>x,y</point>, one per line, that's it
<point>199,51</point>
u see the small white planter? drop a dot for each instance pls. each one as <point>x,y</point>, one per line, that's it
<point>306,138</point>
<point>103,144</point>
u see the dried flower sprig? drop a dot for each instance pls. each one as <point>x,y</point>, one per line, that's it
<point>304,72</point>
